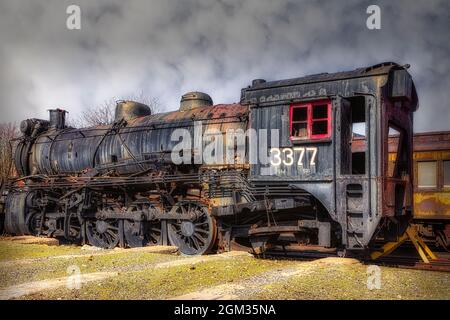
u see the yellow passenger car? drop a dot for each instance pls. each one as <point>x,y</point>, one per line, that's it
<point>431,203</point>
<point>432,185</point>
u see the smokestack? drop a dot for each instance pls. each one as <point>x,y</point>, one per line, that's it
<point>57,118</point>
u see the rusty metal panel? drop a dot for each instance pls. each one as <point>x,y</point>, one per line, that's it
<point>127,148</point>
<point>426,141</point>
<point>432,205</point>
<point>248,95</point>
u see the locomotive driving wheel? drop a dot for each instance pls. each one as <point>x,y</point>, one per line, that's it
<point>34,223</point>
<point>73,222</point>
<point>74,229</point>
<point>141,233</point>
<point>196,233</point>
<point>103,233</point>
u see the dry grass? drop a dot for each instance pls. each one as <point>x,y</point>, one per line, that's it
<point>142,274</point>
<point>11,250</point>
<point>162,283</point>
<point>53,268</point>
<point>349,282</point>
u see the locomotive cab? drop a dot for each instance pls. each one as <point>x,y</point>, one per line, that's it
<point>330,146</point>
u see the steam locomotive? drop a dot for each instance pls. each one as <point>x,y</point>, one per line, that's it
<point>119,185</point>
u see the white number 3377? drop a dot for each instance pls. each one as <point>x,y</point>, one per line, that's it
<point>286,156</point>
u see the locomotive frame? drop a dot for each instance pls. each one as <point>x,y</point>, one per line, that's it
<point>116,185</point>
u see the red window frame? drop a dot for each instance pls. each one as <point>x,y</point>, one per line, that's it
<point>310,121</point>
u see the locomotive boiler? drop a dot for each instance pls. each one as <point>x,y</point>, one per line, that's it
<point>293,179</point>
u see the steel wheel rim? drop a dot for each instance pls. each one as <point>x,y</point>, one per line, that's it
<point>34,222</point>
<point>102,233</point>
<point>141,233</point>
<point>192,237</point>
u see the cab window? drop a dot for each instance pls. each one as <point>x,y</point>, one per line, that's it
<point>310,121</point>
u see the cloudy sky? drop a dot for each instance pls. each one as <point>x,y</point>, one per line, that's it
<point>164,48</point>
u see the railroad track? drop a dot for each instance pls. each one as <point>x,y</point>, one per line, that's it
<point>441,264</point>
<point>403,259</point>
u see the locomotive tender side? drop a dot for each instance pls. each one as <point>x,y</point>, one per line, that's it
<point>303,184</point>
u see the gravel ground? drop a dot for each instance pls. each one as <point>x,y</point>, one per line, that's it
<point>39,271</point>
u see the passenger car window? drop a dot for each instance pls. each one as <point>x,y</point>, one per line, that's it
<point>427,174</point>
<point>446,166</point>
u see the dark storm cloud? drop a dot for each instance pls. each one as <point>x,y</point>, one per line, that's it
<point>165,48</point>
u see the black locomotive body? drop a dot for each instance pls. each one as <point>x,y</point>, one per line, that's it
<point>304,186</point>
